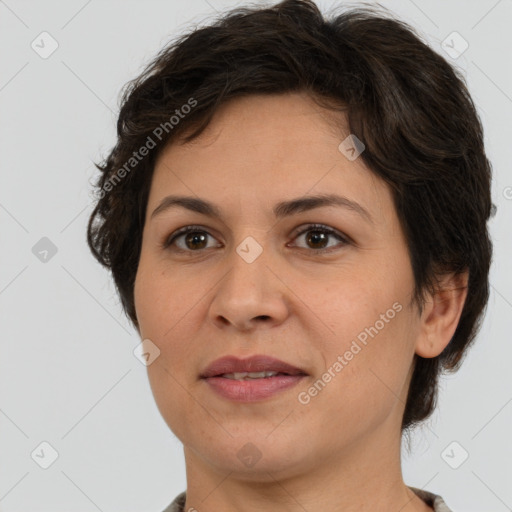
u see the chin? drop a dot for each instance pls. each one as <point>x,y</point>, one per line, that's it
<point>255,457</point>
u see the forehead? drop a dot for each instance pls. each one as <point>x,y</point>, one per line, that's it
<point>282,121</point>
<point>264,149</point>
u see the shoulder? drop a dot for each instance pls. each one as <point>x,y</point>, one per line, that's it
<point>178,503</point>
<point>434,500</point>
<point>430,498</point>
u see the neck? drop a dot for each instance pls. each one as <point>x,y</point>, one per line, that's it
<point>364,477</point>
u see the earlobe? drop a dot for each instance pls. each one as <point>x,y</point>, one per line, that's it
<point>441,315</point>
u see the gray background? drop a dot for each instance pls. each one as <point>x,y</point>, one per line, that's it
<point>68,375</point>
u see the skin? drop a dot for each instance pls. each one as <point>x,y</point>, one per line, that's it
<point>340,451</point>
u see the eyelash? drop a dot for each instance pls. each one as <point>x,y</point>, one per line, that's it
<point>311,227</point>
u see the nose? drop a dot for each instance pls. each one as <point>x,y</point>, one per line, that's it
<point>250,295</point>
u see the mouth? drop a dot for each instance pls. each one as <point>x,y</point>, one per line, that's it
<point>250,375</point>
<point>254,367</point>
<point>251,379</point>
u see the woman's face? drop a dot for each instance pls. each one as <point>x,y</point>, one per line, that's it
<point>337,306</point>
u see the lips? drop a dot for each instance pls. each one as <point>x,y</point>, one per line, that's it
<point>254,379</point>
<point>258,363</point>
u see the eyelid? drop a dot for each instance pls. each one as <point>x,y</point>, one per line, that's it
<point>304,228</point>
<point>168,240</point>
<point>321,227</point>
<point>344,239</point>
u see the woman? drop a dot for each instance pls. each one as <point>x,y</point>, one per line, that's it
<point>295,219</point>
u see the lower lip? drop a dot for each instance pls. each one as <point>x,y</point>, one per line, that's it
<point>252,390</point>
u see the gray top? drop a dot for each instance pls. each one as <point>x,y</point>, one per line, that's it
<point>431,499</point>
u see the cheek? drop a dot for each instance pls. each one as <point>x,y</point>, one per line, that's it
<point>339,317</point>
<point>353,305</point>
<point>164,311</point>
<point>371,345</point>
<point>361,384</point>
<point>170,310</point>
<point>162,300</point>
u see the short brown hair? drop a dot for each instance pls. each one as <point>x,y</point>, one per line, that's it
<point>409,106</point>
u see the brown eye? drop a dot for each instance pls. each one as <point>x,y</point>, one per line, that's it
<point>195,240</point>
<point>190,238</point>
<point>317,237</point>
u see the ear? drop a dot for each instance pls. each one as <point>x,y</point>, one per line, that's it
<point>441,314</point>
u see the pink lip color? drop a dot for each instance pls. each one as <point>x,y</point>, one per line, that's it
<point>252,390</point>
<point>255,363</point>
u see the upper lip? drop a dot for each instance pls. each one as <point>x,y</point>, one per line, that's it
<point>257,363</point>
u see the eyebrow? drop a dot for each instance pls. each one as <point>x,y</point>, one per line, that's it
<point>280,210</point>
